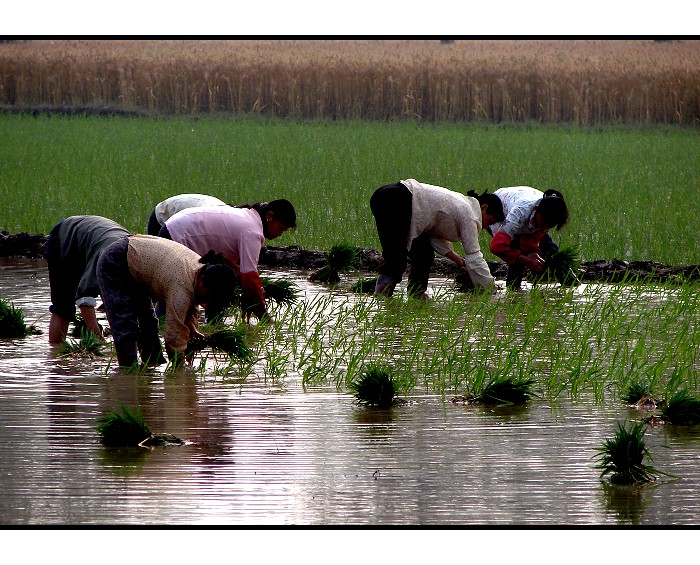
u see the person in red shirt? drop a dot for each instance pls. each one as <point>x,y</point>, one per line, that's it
<point>522,240</point>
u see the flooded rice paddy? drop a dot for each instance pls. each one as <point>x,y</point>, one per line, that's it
<point>267,448</point>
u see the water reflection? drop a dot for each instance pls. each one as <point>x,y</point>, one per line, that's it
<point>264,450</point>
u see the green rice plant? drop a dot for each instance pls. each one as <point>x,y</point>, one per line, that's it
<point>340,258</point>
<point>463,282</point>
<point>640,393</point>
<point>11,321</point>
<point>562,266</point>
<point>376,386</point>
<point>88,345</point>
<point>280,291</point>
<point>681,408</point>
<point>503,389</point>
<point>227,340</point>
<point>622,457</point>
<point>129,429</point>
<point>364,286</point>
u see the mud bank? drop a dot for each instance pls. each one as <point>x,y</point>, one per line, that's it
<point>295,257</point>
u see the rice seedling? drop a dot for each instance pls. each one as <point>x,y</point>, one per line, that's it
<point>502,389</point>
<point>463,282</point>
<point>622,457</point>
<point>129,429</point>
<point>682,408</point>
<point>280,291</point>
<point>88,345</point>
<point>364,286</point>
<point>562,266</point>
<point>12,323</point>
<point>641,395</point>
<point>229,341</point>
<point>340,258</point>
<point>376,386</point>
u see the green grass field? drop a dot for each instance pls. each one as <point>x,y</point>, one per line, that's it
<point>632,193</point>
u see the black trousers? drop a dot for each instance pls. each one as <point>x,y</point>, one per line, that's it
<point>391,207</point>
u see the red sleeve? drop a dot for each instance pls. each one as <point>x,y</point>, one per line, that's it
<point>500,246</point>
<point>253,294</point>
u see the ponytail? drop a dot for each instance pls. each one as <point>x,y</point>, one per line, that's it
<point>494,206</point>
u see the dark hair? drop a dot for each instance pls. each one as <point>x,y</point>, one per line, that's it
<point>494,206</point>
<point>282,210</point>
<point>218,277</point>
<point>553,208</point>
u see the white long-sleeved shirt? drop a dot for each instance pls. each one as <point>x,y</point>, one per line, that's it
<point>448,216</point>
<point>171,206</point>
<point>518,208</point>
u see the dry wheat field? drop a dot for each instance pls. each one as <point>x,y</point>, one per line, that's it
<point>582,82</point>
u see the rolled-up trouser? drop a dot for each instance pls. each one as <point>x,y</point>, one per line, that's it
<point>391,207</point>
<point>129,309</point>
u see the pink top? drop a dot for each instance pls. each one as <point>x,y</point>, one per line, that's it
<point>237,233</point>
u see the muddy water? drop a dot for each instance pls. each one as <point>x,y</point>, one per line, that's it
<point>262,453</point>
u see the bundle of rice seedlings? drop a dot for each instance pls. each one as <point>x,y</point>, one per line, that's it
<point>280,291</point>
<point>129,429</point>
<point>12,321</point>
<point>622,457</point>
<point>375,387</point>
<point>88,345</point>
<point>682,408</point>
<point>463,282</point>
<point>227,340</point>
<point>562,266</point>
<point>364,286</point>
<point>505,390</point>
<point>340,258</point>
<point>640,395</point>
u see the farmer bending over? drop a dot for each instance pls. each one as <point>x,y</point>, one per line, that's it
<point>171,206</point>
<point>522,240</point>
<point>139,268</point>
<point>238,234</point>
<point>73,248</point>
<point>415,219</point>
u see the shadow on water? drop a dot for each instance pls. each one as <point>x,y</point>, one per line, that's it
<point>265,448</point>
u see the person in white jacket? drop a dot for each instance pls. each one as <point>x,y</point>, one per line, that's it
<point>415,219</point>
<point>170,206</point>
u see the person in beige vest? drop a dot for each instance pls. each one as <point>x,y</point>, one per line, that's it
<point>415,219</point>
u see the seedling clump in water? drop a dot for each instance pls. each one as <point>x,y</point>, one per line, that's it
<point>12,321</point>
<point>640,394</point>
<point>682,408</point>
<point>622,457</point>
<point>129,429</point>
<point>89,345</point>
<point>501,390</point>
<point>340,258</point>
<point>375,387</point>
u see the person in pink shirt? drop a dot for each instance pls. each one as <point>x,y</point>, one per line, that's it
<point>238,233</point>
